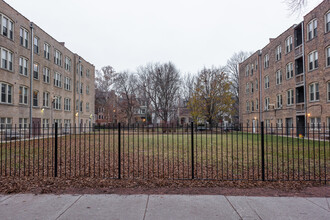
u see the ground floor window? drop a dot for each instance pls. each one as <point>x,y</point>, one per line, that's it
<point>6,123</point>
<point>23,123</point>
<point>315,123</point>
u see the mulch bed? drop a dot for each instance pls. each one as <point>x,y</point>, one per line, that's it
<point>36,185</point>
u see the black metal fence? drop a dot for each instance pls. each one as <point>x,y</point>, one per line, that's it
<point>167,152</point>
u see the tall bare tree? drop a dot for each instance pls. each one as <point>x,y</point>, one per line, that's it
<point>296,6</point>
<point>126,89</point>
<point>187,87</point>
<point>160,83</point>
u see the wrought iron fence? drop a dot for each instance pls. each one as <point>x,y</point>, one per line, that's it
<point>167,152</point>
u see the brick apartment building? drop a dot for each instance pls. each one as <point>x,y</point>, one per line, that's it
<point>287,83</point>
<point>60,78</point>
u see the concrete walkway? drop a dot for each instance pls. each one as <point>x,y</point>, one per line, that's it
<point>28,206</point>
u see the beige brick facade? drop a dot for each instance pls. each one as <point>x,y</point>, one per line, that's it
<point>10,104</point>
<point>302,110</point>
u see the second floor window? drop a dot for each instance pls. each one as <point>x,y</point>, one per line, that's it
<point>23,66</point>
<point>266,103</point>
<point>67,104</point>
<point>24,37</point>
<point>278,77</point>
<point>278,52</point>
<point>314,94</point>
<point>289,70</point>
<point>67,84</point>
<point>46,50</point>
<point>58,58</point>
<point>57,103</point>
<point>266,61</point>
<point>6,59</point>
<point>266,82</point>
<point>288,44</point>
<point>328,91</point>
<point>46,75</point>
<point>35,98</point>
<point>45,99</point>
<point>87,89</point>
<point>313,60</point>
<point>290,97</point>
<point>36,71</point>
<point>6,93</point>
<point>327,56</point>
<point>279,101</point>
<point>23,95</point>
<point>312,29</point>
<point>247,70</point>
<point>57,80</point>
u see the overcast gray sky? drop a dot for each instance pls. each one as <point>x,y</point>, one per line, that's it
<point>191,33</point>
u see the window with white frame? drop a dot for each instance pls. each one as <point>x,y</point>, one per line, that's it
<point>252,69</point>
<point>266,82</point>
<point>288,44</point>
<point>328,123</point>
<point>23,95</point>
<point>6,59</point>
<point>257,85</point>
<point>23,123</point>
<point>315,123</point>
<point>247,106</point>
<point>45,99</point>
<point>45,123</point>
<point>67,64</point>
<point>35,71</point>
<point>327,22</point>
<point>278,77</point>
<point>279,101</point>
<point>252,90</point>
<point>328,91</point>
<point>314,94</point>
<point>266,61</point>
<point>279,123</point>
<point>6,26</point>
<point>252,106</point>
<point>23,66</point>
<point>247,70</point>
<point>35,98</point>
<point>278,53</point>
<point>81,106</point>
<point>312,29</point>
<point>24,37</point>
<point>313,60</point>
<point>5,123</point>
<point>67,83</point>
<point>58,121</point>
<point>36,45</point>
<point>267,103</point>
<point>67,104</point>
<point>57,79</point>
<point>247,88</point>
<point>289,70</point>
<point>257,104</point>
<point>256,64</point>
<point>6,93</point>
<point>290,97</point>
<point>46,51</point>
<point>327,52</point>
<point>87,89</point>
<point>57,102</point>
<point>46,75</point>
<point>58,57</point>
<point>87,107</point>
<point>87,73</point>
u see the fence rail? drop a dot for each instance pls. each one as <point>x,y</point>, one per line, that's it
<point>167,152</point>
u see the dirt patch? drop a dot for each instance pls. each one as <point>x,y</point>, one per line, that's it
<point>36,185</point>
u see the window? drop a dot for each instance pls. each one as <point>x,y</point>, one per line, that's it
<point>67,84</point>
<point>67,64</point>
<point>6,59</point>
<point>278,54</point>
<point>267,104</point>
<point>35,71</point>
<point>58,58</point>
<point>252,87</point>
<point>247,106</point>
<point>81,106</point>
<point>266,82</point>
<point>36,45</point>
<point>327,52</point>
<point>23,66</point>
<point>251,69</point>
<point>315,123</point>
<point>23,95</point>
<point>328,92</point>
<point>328,123</point>
<point>6,26</point>
<point>256,64</point>
<point>80,87</point>
<point>35,98</point>
<point>57,103</point>
<point>247,88</point>
<point>46,75</point>
<point>87,107</point>
<point>46,50</point>
<point>257,85</point>
<point>314,94</point>
<point>6,93</point>
<point>313,60</point>
<point>24,37</point>
<point>81,70</point>
<point>87,73</point>
<point>327,22</point>
<point>266,61</point>
<point>45,99</point>
<point>257,104</point>
<point>67,123</point>
<point>279,123</point>
<point>312,29</point>
<point>252,106</point>
<point>57,80</point>
<point>290,98</point>
<point>67,104</point>
<point>279,101</point>
<point>45,123</point>
<point>288,44</point>
<point>5,123</point>
<point>23,123</point>
<point>278,77</point>
<point>247,70</point>
<point>289,70</point>
<point>87,89</point>
<point>58,121</point>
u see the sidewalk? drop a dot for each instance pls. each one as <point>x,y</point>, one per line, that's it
<point>28,206</point>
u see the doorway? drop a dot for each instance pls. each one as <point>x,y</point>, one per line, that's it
<point>289,125</point>
<point>36,125</point>
<point>300,125</point>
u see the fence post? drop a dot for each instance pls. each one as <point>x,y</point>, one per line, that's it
<point>262,151</point>
<point>119,158</point>
<point>55,151</point>
<point>192,151</point>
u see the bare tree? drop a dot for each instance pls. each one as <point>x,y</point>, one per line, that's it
<point>296,6</point>
<point>126,89</point>
<point>160,83</point>
<point>187,87</point>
